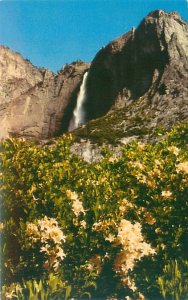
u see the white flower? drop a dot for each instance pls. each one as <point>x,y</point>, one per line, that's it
<point>166,194</point>
<point>45,249</point>
<point>133,249</point>
<point>45,223</point>
<point>182,167</point>
<point>157,162</point>
<point>56,235</point>
<point>173,150</point>
<point>113,159</point>
<point>77,207</point>
<point>141,178</point>
<point>90,267</point>
<point>32,228</point>
<point>46,232</point>
<point>72,195</point>
<point>110,238</point>
<point>136,164</point>
<point>10,295</point>
<point>60,254</point>
<point>83,224</point>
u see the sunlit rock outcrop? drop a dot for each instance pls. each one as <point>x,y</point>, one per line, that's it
<point>35,103</point>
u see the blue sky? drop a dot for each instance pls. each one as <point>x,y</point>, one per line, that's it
<point>52,33</point>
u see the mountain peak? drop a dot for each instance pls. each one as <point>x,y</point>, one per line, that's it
<point>161,13</point>
<point>140,79</point>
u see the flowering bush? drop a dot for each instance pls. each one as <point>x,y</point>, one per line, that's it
<point>50,237</point>
<point>105,230</point>
<point>133,249</point>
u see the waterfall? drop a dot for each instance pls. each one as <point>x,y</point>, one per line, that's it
<point>78,117</point>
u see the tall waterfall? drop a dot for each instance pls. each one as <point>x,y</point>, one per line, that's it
<point>78,117</point>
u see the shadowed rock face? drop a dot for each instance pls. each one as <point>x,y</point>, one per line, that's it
<point>150,62</point>
<point>34,102</point>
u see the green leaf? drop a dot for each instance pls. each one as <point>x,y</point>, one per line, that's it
<point>68,292</point>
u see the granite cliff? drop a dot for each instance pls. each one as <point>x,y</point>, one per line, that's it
<point>136,84</point>
<point>34,102</point>
<point>149,62</point>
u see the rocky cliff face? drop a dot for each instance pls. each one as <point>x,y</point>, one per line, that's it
<point>35,102</point>
<point>148,63</point>
<point>135,84</point>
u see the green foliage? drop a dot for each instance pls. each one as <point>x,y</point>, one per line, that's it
<point>146,188</point>
<point>103,129</point>
<point>174,282</point>
<point>51,287</point>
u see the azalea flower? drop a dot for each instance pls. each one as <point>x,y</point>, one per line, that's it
<point>136,164</point>
<point>133,249</point>
<point>83,224</point>
<point>60,254</point>
<point>72,195</point>
<point>10,295</point>
<point>174,150</point>
<point>56,235</point>
<point>182,167</point>
<point>45,249</point>
<point>110,238</point>
<point>166,194</point>
<point>77,207</point>
<point>46,232</point>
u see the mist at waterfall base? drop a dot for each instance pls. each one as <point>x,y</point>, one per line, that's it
<point>78,117</point>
